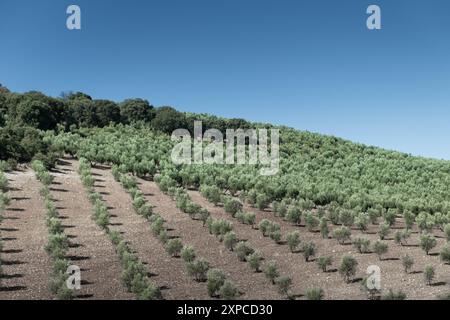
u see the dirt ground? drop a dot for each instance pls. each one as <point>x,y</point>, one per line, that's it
<point>27,267</point>
<point>306,275</point>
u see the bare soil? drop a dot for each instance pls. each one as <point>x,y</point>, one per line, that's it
<point>307,275</point>
<point>25,263</point>
<point>251,285</point>
<point>90,248</point>
<point>166,272</point>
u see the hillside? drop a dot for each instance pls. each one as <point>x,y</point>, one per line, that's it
<point>107,193</point>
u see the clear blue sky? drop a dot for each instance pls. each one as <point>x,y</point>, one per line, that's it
<point>309,64</point>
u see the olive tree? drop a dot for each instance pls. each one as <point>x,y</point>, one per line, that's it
<point>271,271</point>
<point>407,262</point>
<point>427,242</point>
<point>293,240</point>
<point>348,267</point>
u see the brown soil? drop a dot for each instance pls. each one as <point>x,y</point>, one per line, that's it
<point>166,272</point>
<point>90,249</point>
<point>307,275</point>
<point>26,265</point>
<point>252,285</point>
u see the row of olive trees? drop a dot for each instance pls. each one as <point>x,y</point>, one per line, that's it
<point>4,202</point>
<point>135,273</point>
<point>198,268</point>
<point>58,242</point>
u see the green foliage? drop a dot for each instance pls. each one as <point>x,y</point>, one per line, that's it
<point>211,193</point>
<point>284,284</point>
<point>309,250</point>
<point>174,247</point>
<point>429,274</point>
<point>362,221</point>
<point>362,245</point>
<point>254,260</point>
<point>243,250</point>
<point>347,267</point>
<point>315,294</point>
<point>232,205</point>
<point>294,215</point>
<point>198,269</point>
<point>380,248</point>
<point>230,240</point>
<point>271,271</point>
<point>384,231</point>
<point>228,291</point>
<point>342,234</point>
<point>346,217</point>
<point>188,254</point>
<point>392,295</point>
<point>407,262</point>
<point>427,242</point>
<point>324,262</point>
<point>293,240</point>
<point>447,231</point>
<point>324,230</point>
<point>311,221</point>
<point>445,254</point>
<point>215,280</point>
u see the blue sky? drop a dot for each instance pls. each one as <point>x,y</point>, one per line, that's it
<point>309,64</point>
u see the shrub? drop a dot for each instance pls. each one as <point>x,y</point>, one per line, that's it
<point>384,230</point>
<point>284,284</point>
<point>221,227</point>
<point>57,245</point>
<point>315,294</point>
<point>409,218</point>
<point>324,262</point>
<point>271,271</point>
<point>264,226</point>
<point>243,250</point>
<point>309,250</point>
<point>276,236</point>
<point>250,219</point>
<point>230,240</point>
<point>311,221</point>
<point>254,260</point>
<point>348,267</point>
<point>401,237</point>
<point>407,262</point>
<point>212,193</point>
<point>215,280</point>
<point>346,218</point>
<point>447,231</point>
<point>342,234</point>
<point>324,231</point>
<point>294,215</point>
<point>232,206</point>
<point>389,217</point>
<point>262,201</point>
<point>429,274</point>
<point>362,221</point>
<point>174,247</point>
<point>427,242</point>
<point>374,214</point>
<point>163,236</point>
<point>198,269</point>
<point>204,215</point>
<point>445,254</point>
<point>293,240</point>
<point>392,295</point>
<point>361,244</point>
<point>188,254</point>
<point>380,248</point>
<point>228,291</point>
<point>157,225</point>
